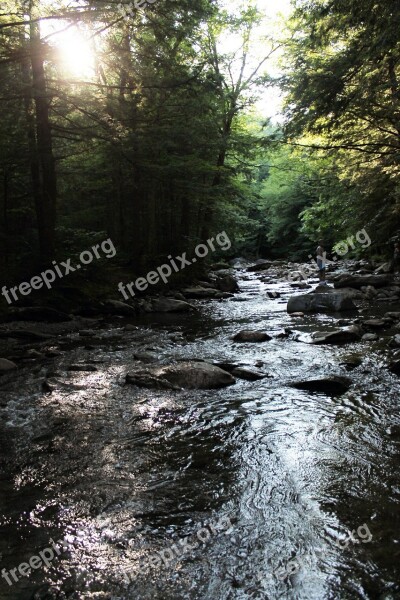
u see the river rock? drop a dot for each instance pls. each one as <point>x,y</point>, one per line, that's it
<point>32,353</point>
<point>375,324</point>
<point>339,336</point>
<point>38,313</point>
<point>251,336</point>
<point>273,295</point>
<point>226,366</point>
<point>385,268</point>
<point>82,368</point>
<point>370,337</point>
<point>116,307</point>
<point>352,362</point>
<point>227,283</point>
<point>320,303</point>
<point>242,373</point>
<point>394,367</point>
<point>300,286</point>
<point>239,263</point>
<point>25,333</point>
<point>7,365</point>
<point>145,357</point>
<point>170,305</point>
<point>200,293</point>
<point>187,375</point>
<point>146,379</point>
<point>395,341</point>
<point>260,265</point>
<point>329,385</point>
<point>359,281</point>
<point>393,315</point>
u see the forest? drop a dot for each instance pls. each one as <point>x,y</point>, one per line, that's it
<point>143,126</point>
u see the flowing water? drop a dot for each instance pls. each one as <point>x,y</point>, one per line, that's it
<point>257,490</point>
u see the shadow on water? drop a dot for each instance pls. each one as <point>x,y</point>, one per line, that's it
<point>309,482</point>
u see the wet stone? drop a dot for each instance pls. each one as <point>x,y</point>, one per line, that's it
<point>395,341</point>
<point>242,373</point>
<point>171,305</point>
<point>329,385</point>
<point>320,303</point>
<point>186,375</point>
<point>394,367</point>
<point>375,323</point>
<point>251,336</point>
<point>7,365</point>
<point>340,336</point>
<point>370,337</point>
<point>82,368</point>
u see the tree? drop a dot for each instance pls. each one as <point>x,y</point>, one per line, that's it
<point>343,66</point>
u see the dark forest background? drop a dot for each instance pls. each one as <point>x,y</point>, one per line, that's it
<point>162,148</point>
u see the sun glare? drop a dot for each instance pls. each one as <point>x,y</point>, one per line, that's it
<point>76,52</point>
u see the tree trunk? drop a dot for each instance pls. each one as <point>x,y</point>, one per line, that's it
<point>46,201</point>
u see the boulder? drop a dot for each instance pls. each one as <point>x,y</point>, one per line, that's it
<point>251,336</point>
<point>170,305</point>
<point>320,303</point>
<point>345,335</point>
<point>187,375</point>
<point>349,292</point>
<point>273,295</point>
<point>322,289</point>
<point>7,365</point>
<point>328,385</point>
<point>359,281</point>
<point>227,283</point>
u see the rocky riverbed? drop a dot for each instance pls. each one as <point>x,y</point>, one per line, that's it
<point>127,427</point>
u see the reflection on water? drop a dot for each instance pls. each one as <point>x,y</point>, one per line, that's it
<point>123,474</point>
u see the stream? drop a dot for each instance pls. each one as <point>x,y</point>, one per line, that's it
<point>254,491</point>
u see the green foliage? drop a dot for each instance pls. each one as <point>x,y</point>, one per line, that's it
<point>342,74</point>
